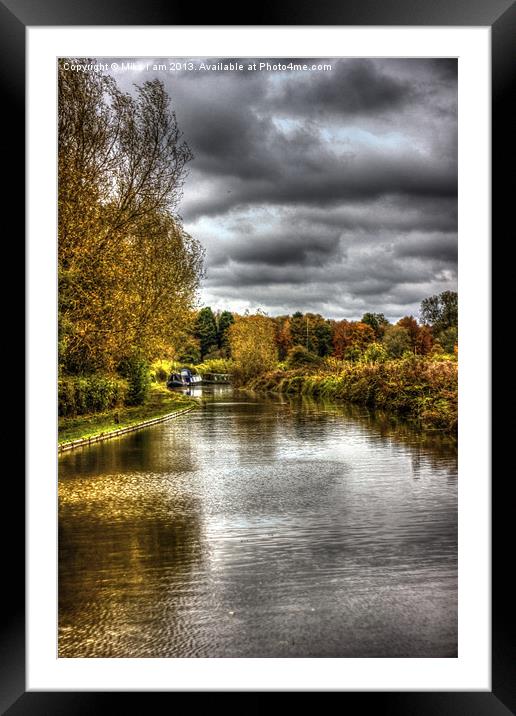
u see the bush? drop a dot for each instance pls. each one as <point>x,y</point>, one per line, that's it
<point>299,357</point>
<point>215,365</point>
<point>136,370</point>
<point>89,394</point>
<point>375,353</point>
<point>159,371</point>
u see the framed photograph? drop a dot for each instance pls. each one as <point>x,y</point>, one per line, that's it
<point>258,262</point>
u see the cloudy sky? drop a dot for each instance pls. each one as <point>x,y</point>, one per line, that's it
<point>330,191</point>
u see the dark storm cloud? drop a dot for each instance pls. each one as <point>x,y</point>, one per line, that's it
<point>319,178</point>
<point>358,87</point>
<point>331,191</point>
<point>290,249</point>
<point>436,246</point>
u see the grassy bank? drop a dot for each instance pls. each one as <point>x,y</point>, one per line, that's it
<point>161,401</point>
<point>421,390</point>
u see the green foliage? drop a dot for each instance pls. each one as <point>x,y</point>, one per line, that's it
<point>216,365</point>
<point>159,371</point>
<point>323,336</point>
<point>161,402</point>
<point>135,369</point>
<point>440,311</point>
<point>89,394</point>
<point>312,331</point>
<point>375,353</point>
<point>206,331</point>
<point>448,338</point>
<point>377,322</point>
<point>190,351</point>
<point>353,353</point>
<point>225,320</point>
<point>299,356</point>
<point>396,341</point>
<point>211,365</point>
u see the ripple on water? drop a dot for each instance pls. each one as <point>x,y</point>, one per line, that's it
<point>259,529</point>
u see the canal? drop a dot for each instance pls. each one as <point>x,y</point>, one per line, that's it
<point>260,527</point>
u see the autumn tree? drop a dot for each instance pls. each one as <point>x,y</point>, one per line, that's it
<point>350,338</point>
<point>425,340</point>
<point>412,328</point>
<point>128,272</point>
<point>253,345</point>
<point>283,336</point>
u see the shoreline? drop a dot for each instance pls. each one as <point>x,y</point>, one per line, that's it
<point>421,392</point>
<point>81,442</point>
<point>162,404</point>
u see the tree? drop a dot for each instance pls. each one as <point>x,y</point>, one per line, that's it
<point>225,320</point>
<point>322,332</point>
<point>378,323</point>
<point>206,330</point>
<point>299,357</point>
<point>412,328</point>
<point>448,339</point>
<point>396,341</point>
<point>253,345</point>
<point>312,331</point>
<point>425,340</point>
<point>440,311</point>
<point>128,272</point>
<point>283,336</point>
<point>350,339</point>
<point>189,351</point>
<point>300,332</point>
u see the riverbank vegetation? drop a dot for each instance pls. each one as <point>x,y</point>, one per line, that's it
<point>160,401</point>
<point>419,389</point>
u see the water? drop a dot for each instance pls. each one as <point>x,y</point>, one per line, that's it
<point>259,527</point>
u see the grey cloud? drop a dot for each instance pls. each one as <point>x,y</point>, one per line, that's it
<point>358,86</point>
<point>288,249</point>
<point>437,246</point>
<point>332,192</point>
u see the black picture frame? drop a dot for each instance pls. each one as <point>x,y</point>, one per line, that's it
<point>500,15</point>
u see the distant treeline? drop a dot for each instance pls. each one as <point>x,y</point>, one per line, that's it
<point>305,337</point>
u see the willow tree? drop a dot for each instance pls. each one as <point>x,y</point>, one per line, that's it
<point>128,272</point>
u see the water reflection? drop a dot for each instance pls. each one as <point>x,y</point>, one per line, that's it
<point>260,527</point>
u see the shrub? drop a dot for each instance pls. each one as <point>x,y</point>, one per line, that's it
<point>159,371</point>
<point>375,353</point>
<point>216,365</point>
<point>299,356</point>
<point>89,394</point>
<point>136,370</point>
